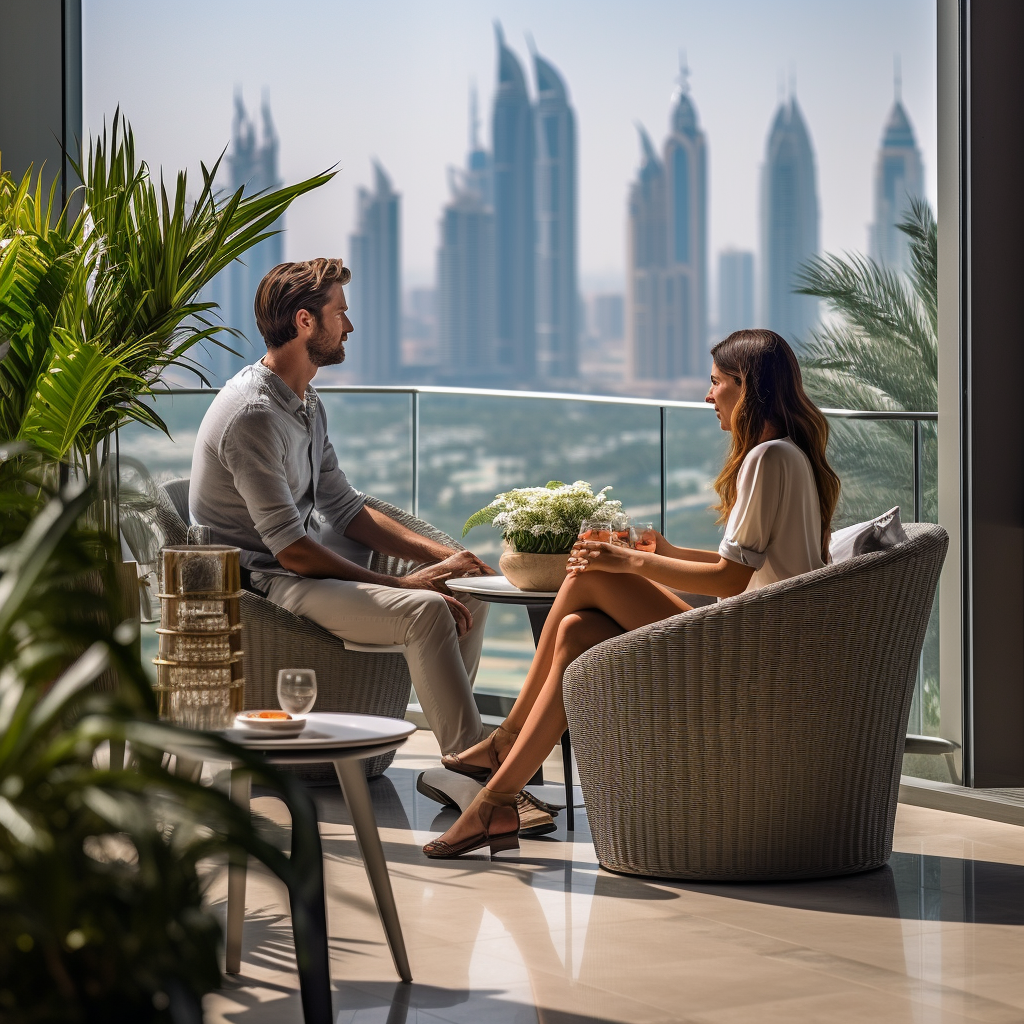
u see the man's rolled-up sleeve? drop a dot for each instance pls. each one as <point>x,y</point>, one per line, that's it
<point>753,517</point>
<point>336,498</point>
<point>254,452</point>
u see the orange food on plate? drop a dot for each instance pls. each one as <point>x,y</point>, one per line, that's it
<point>278,716</point>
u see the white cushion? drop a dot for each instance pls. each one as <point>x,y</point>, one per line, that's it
<point>874,535</point>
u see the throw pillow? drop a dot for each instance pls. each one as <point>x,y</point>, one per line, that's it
<point>874,535</point>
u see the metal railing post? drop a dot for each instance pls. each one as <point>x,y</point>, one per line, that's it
<point>416,453</point>
<point>664,471</point>
<point>918,502</point>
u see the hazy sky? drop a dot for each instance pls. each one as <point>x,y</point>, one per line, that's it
<point>390,80</point>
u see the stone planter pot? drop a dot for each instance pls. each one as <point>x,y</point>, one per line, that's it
<point>533,572</point>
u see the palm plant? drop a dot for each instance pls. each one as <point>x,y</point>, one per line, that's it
<point>878,349</point>
<point>101,914</point>
<point>94,309</point>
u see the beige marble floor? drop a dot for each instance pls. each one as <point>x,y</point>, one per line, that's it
<point>546,937</point>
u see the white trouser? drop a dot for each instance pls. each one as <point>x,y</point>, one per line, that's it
<point>442,666</point>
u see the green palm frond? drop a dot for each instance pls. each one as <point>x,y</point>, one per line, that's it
<point>878,349</point>
<point>882,331</point>
<point>124,278</point>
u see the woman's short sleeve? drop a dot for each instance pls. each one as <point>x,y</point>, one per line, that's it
<point>753,517</point>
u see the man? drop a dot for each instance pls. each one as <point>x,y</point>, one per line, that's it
<point>264,476</point>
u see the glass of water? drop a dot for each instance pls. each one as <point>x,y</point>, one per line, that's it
<point>296,690</point>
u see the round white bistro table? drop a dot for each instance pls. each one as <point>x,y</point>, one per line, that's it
<point>498,590</point>
<point>345,740</point>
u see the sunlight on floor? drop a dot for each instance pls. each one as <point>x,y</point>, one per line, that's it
<point>546,936</point>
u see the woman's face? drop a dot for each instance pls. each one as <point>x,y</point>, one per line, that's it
<point>724,394</point>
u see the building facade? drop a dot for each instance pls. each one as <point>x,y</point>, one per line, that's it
<point>790,232</point>
<point>252,164</point>
<point>557,288</point>
<point>512,131</point>
<point>466,271</point>
<point>899,179</point>
<point>735,291</point>
<point>667,317</point>
<point>374,295</point>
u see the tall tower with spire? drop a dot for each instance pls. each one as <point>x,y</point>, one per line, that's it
<point>899,179</point>
<point>466,276</point>
<point>252,164</point>
<point>557,289</point>
<point>512,132</point>
<point>790,233</point>
<point>667,317</point>
<point>374,294</point>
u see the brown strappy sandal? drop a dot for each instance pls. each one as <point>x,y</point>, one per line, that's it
<point>454,762</point>
<point>497,841</point>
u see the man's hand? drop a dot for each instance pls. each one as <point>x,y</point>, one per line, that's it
<point>465,563</point>
<point>461,614</point>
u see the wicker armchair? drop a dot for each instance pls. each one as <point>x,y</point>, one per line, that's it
<point>761,737</point>
<point>359,681</point>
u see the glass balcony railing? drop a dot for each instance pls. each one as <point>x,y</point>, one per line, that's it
<point>442,453</point>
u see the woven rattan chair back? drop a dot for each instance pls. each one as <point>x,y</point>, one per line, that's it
<point>760,737</point>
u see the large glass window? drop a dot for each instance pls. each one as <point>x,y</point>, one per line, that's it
<point>617,189</point>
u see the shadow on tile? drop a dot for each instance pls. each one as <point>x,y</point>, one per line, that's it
<point>911,886</point>
<point>395,1003</point>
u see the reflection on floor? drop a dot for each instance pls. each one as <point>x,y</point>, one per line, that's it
<point>546,937</point>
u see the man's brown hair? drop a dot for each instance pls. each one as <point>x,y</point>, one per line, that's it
<point>290,287</point>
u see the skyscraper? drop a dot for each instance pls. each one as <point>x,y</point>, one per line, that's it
<point>512,129</point>
<point>466,274</point>
<point>899,178</point>
<point>251,165</point>
<point>789,224</point>
<point>667,319</point>
<point>557,292</point>
<point>735,291</point>
<point>374,294</point>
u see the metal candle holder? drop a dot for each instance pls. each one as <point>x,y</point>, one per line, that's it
<point>200,682</point>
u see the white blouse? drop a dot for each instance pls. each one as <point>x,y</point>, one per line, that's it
<point>775,525</point>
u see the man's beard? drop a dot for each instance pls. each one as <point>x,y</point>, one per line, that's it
<point>320,350</point>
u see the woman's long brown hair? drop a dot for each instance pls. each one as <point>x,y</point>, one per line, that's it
<point>772,395</point>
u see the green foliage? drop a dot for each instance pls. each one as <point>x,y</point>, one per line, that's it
<point>94,309</point>
<point>878,349</point>
<point>101,914</point>
<point>544,520</point>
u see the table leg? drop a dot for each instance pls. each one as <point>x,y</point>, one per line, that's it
<point>570,816</point>
<point>241,792</point>
<point>117,748</point>
<point>357,799</point>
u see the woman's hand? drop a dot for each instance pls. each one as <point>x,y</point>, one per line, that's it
<point>597,554</point>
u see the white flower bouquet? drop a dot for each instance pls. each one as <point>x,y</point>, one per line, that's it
<point>545,520</point>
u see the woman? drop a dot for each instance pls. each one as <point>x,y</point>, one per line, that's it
<point>776,493</point>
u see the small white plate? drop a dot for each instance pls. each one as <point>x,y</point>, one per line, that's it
<point>282,727</point>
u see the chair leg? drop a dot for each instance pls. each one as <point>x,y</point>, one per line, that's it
<point>357,799</point>
<point>570,815</point>
<point>241,793</point>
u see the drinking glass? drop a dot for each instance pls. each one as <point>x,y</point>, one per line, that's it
<point>646,538</point>
<point>296,690</point>
<point>620,530</point>
<point>592,529</point>
<point>198,535</point>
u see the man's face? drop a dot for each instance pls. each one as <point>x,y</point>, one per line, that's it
<point>326,345</point>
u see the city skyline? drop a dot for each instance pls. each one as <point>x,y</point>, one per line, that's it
<point>404,102</point>
<point>899,178</point>
<point>251,163</point>
<point>667,289</point>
